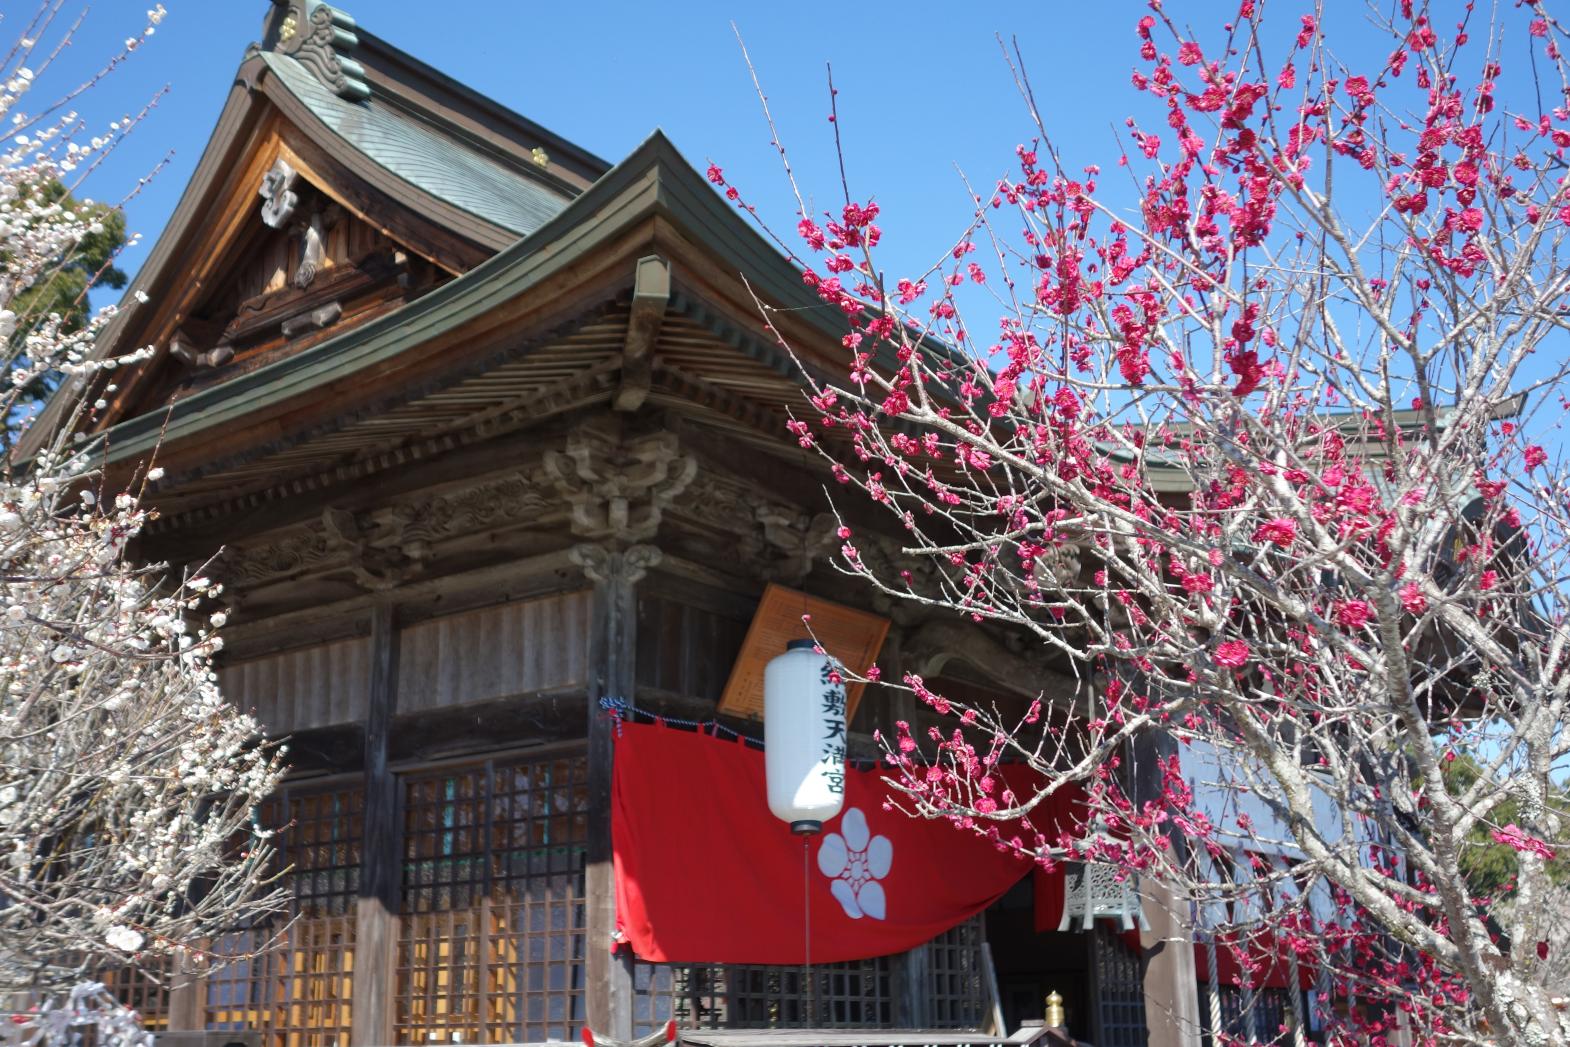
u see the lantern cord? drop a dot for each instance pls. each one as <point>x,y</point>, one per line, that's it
<point>806,924</point>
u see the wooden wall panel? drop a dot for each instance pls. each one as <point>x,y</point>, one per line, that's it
<point>685,650</point>
<point>320,686</point>
<point>512,648</point>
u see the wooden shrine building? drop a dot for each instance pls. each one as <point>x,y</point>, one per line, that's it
<point>486,436</point>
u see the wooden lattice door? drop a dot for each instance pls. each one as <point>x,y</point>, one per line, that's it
<point>1117,992</point>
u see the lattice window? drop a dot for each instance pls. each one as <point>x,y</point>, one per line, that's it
<point>492,936</point>
<point>755,996</point>
<point>850,995</point>
<point>1119,992</point>
<point>291,981</point>
<point>957,991</point>
<point>144,991</point>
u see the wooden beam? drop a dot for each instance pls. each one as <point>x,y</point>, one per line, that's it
<point>447,594</point>
<point>613,646</point>
<point>932,644</point>
<point>376,909</point>
<point>651,296</point>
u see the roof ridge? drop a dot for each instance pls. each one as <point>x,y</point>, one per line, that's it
<point>372,45</point>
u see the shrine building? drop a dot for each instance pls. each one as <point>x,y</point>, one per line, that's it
<point>485,438</point>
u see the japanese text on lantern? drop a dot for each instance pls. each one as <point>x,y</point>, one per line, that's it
<point>832,677</point>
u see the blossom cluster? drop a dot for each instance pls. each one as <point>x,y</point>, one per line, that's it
<point>126,780</point>
<point>1259,460</point>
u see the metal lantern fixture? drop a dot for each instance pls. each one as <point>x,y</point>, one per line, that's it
<point>804,737</point>
<point>1092,890</point>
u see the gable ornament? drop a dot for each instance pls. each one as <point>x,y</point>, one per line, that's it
<point>321,38</point>
<point>278,196</point>
<point>280,192</point>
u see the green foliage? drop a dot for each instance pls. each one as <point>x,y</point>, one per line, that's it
<point>1490,868</point>
<point>64,289</point>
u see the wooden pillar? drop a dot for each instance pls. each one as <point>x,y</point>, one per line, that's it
<point>186,989</point>
<point>612,646</point>
<point>911,1010</point>
<point>1170,980</point>
<point>376,909</point>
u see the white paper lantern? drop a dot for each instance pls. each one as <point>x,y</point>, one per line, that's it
<point>804,737</point>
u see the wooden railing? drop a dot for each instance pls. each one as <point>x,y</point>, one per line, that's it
<point>1031,1034</point>
<point>1028,1036</point>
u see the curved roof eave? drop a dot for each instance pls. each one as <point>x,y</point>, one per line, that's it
<point>229,133</point>
<point>654,178</point>
<point>257,85</point>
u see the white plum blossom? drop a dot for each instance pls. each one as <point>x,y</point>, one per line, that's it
<point>124,939</point>
<point>126,781</point>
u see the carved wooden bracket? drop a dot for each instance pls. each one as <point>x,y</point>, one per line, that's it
<point>770,540</point>
<point>619,490</point>
<point>315,320</point>
<point>191,341</point>
<point>651,295</point>
<point>605,565</point>
<point>313,251</point>
<point>380,557</point>
<point>802,538</point>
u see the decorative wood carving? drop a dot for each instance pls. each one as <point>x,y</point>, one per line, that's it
<point>619,490</point>
<point>610,490</point>
<point>267,311</point>
<point>278,196</point>
<point>189,345</point>
<point>651,295</point>
<point>803,538</point>
<point>314,320</point>
<point>296,553</point>
<point>604,565</point>
<point>382,547</point>
<point>313,252</point>
<point>774,541</point>
<point>1061,564</point>
<point>321,38</point>
<point>378,556</point>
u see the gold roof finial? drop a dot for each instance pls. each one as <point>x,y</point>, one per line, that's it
<point>1054,1016</point>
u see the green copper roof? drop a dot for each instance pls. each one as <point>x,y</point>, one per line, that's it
<point>426,160</point>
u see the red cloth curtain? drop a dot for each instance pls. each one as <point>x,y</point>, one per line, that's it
<point>1267,964</point>
<point>705,874</point>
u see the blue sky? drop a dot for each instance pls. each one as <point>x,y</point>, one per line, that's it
<point>923,88</point>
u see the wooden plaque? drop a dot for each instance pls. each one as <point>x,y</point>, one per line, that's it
<point>852,636</point>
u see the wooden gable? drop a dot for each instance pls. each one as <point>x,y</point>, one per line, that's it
<point>322,201</point>
<point>292,260</point>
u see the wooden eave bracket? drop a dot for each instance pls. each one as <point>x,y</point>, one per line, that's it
<point>651,296</point>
